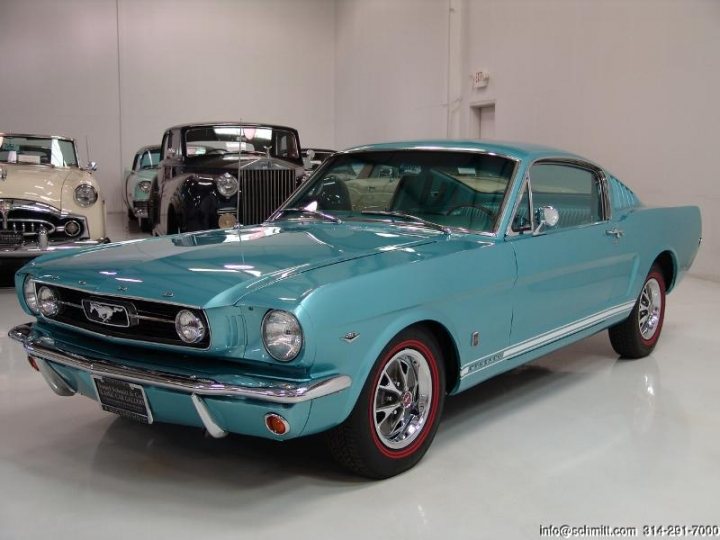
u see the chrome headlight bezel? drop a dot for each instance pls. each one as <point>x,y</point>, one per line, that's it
<point>48,301</point>
<point>30,296</point>
<point>143,186</point>
<point>190,326</point>
<point>282,335</point>
<point>227,185</point>
<point>85,195</point>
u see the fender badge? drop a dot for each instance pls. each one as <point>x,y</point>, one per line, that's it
<point>350,336</point>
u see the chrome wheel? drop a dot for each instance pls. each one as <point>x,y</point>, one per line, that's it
<point>649,309</point>
<point>402,398</point>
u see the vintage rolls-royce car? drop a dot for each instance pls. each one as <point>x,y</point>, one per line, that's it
<point>138,182</point>
<point>47,202</point>
<point>398,274</point>
<point>220,174</point>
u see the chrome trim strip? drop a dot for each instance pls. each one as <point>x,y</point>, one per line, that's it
<point>269,390</point>
<point>543,339</point>
<point>116,297</point>
<point>206,417</point>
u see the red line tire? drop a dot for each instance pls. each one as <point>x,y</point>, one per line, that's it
<point>637,335</point>
<point>396,416</point>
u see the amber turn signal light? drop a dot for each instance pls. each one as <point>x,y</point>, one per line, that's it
<point>276,424</point>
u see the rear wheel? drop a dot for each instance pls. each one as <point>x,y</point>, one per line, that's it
<point>396,416</point>
<point>637,335</point>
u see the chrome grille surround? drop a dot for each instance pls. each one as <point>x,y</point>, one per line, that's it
<point>28,217</point>
<point>148,320</point>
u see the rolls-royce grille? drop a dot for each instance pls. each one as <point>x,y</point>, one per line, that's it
<point>22,221</point>
<point>263,191</point>
<point>142,320</point>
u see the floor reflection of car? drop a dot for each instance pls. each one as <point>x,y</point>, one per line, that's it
<point>138,182</point>
<point>397,274</point>
<point>219,174</point>
<point>47,201</point>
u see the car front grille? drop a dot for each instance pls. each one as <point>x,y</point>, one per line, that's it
<point>263,191</point>
<point>21,221</point>
<point>150,321</point>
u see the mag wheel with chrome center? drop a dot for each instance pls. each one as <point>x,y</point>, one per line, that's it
<point>402,399</point>
<point>649,309</point>
<point>636,336</point>
<point>396,416</point>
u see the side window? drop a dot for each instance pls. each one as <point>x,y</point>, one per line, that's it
<point>522,221</point>
<point>573,191</point>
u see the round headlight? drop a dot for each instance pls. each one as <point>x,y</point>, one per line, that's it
<point>227,185</point>
<point>189,326</point>
<point>282,335</point>
<point>85,195</point>
<point>144,186</point>
<point>48,302</point>
<point>31,300</point>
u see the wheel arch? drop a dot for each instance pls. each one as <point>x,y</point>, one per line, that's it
<point>667,262</point>
<point>451,355</point>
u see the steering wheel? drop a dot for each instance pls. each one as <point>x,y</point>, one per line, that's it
<point>483,209</point>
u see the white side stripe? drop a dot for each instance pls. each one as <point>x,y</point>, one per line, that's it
<point>543,339</point>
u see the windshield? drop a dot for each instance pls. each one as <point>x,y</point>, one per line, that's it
<point>453,189</point>
<point>207,140</point>
<point>37,150</point>
<point>149,159</point>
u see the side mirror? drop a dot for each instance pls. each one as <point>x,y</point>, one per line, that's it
<point>546,217</point>
<point>91,166</point>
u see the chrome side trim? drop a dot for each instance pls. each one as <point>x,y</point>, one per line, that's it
<point>270,390</point>
<point>543,339</point>
<point>207,419</point>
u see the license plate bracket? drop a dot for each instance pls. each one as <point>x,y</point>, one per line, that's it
<point>123,398</point>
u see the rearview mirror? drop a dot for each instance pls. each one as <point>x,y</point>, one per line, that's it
<point>546,217</point>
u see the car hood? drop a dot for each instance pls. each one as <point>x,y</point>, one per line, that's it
<point>229,163</point>
<point>215,268</point>
<point>41,183</point>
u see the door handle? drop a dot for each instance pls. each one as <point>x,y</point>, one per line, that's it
<point>617,233</point>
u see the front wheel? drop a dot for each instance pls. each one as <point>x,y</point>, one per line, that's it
<point>637,335</point>
<point>396,416</point>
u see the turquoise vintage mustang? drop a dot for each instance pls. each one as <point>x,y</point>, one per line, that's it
<point>397,274</point>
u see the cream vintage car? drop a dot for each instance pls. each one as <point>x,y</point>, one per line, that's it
<point>47,202</point>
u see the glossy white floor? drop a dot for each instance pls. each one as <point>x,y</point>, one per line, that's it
<point>577,437</point>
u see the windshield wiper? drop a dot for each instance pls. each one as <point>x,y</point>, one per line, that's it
<point>408,217</point>
<point>315,213</point>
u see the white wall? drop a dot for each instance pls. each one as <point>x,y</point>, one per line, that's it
<point>633,85</point>
<point>123,71</point>
<point>391,71</point>
<point>58,75</point>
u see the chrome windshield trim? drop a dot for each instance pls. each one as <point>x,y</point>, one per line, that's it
<point>270,390</point>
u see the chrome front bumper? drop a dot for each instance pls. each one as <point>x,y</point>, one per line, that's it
<point>44,353</point>
<point>43,348</point>
<point>33,249</point>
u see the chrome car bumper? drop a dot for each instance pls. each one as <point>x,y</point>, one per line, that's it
<point>44,351</point>
<point>32,249</point>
